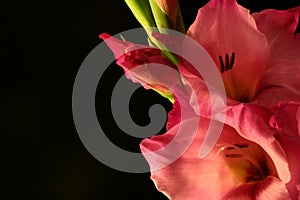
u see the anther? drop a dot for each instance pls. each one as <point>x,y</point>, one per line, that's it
<point>232,155</point>
<point>230,148</point>
<point>241,145</point>
<point>232,60</point>
<point>229,62</point>
<point>222,64</point>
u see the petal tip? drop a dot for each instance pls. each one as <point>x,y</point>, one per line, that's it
<point>104,36</point>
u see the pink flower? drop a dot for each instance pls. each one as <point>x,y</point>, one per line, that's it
<point>135,60</point>
<point>257,55</point>
<point>256,157</point>
<point>257,154</point>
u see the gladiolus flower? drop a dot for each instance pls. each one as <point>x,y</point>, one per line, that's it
<point>228,32</point>
<point>257,55</point>
<point>252,161</point>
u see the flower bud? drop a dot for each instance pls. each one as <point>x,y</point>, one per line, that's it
<point>167,15</point>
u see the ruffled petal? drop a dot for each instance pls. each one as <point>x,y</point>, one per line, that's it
<point>223,27</point>
<point>286,119</point>
<point>182,110</point>
<point>252,122</point>
<point>286,123</point>
<point>272,94</point>
<point>298,188</point>
<point>144,64</point>
<point>281,76</point>
<point>291,145</point>
<point>212,177</point>
<point>269,188</point>
<point>276,24</point>
<point>189,177</point>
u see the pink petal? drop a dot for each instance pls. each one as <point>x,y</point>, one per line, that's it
<point>276,24</point>
<point>272,94</point>
<point>144,64</point>
<point>269,188</point>
<point>212,177</point>
<point>298,188</point>
<point>117,46</point>
<point>222,26</point>
<point>286,119</point>
<point>182,110</point>
<point>252,122</point>
<point>281,76</point>
<point>189,177</point>
<point>286,122</point>
<point>291,145</point>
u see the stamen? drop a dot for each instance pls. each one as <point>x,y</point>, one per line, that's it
<point>229,62</point>
<point>241,145</point>
<point>232,60</point>
<point>222,64</point>
<point>255,170</point>
<point>233,155</point>
<point>230,148</point>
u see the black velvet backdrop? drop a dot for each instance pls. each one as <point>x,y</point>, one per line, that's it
<point>42,47</point>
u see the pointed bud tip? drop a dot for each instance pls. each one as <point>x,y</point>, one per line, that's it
<point>104,36</point>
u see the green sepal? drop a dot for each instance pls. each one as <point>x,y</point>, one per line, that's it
<point>142,11</point>
<point>170,97</point>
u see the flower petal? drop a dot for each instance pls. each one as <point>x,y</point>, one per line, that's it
<point>189,177</point>
<point>298,188</point>
<point>287,126</point>
<point>252,122</point>
<point>182,110</point>
<point>281,76</point>
<point>291,146</point>
<point>144,64</point>
<point>287,119</point>
<point>212,177</point>
<point>269,188</point>
<point>276,24</point>
<point>223,27</point>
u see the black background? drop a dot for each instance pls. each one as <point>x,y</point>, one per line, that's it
<point>42,47</point>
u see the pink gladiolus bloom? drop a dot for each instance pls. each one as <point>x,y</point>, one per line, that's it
<point>257,160</point>
<point>257,154</point>
<point>257,54</point>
